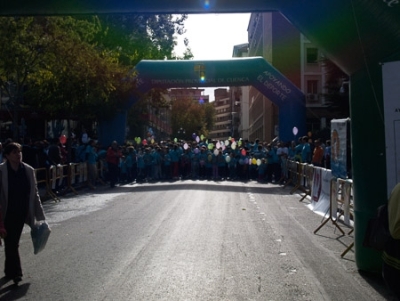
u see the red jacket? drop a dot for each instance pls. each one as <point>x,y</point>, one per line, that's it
<point>113,155</point>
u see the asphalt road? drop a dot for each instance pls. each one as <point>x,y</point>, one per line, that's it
<point>189,241</point>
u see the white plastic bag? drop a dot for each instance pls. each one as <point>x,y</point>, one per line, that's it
<point>40,234</point>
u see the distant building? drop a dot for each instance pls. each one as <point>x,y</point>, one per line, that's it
<point>189,93</point>
<point>223,104</point>
<point>284,47</point>
<point>240,97</point>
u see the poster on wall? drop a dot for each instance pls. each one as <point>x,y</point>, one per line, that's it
<point>391,100</point>
<point>339,147</point>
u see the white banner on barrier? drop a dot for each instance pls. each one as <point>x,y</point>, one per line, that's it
<point>320,191</point>
<point>339,150</point>
<point>317,184</point>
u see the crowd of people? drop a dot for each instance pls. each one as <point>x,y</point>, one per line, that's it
<point>143,161</point>
<point>172,160</point>
<point>198,160</point>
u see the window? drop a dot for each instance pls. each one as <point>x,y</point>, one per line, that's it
<point>312,55</point>
<point>312,90</point>
<point>312,87</point>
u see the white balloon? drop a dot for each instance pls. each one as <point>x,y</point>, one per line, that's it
<point>185,146</point>
<point>216,152</point>
<point>295,131</point>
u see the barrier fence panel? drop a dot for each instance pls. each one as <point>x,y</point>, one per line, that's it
<point>333,199</point>
<point>341,205</point>
<point>303,178</point>
<point>308,180</point>
<point>347,208</point>
<point>292,172</point>
<point>62,178</point>
<point>58,177</point>
<point>333,196</point>
<point>298,178</point>
<point>42,178</point>
<point>78,176</point>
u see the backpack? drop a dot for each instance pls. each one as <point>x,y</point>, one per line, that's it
<point>377,234</point>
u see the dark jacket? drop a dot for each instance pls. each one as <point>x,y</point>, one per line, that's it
<point>35,212</point>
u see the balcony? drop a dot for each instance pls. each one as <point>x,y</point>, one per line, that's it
<point>312,98</point>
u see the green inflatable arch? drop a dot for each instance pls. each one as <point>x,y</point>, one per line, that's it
<point>235,72</point>
<point>360,36</point>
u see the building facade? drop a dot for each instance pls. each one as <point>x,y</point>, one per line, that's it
<point>224,106</point>
<point>271,36</point>
<point>240,96</point>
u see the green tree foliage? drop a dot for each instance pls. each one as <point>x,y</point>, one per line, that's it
<point>80,84</point>
<point>81,67</point>
<point>21,53</point>
<point>190,116</point>
<point>137,37</point>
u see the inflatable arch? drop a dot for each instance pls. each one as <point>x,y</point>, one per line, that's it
<point>254,71</point>
<point>360,36</point>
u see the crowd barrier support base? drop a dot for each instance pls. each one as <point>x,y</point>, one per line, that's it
<point>333,191</point>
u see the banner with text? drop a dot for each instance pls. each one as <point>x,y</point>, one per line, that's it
<point>339,151</point>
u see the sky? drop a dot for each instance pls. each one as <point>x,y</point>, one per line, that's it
<point>212,37</point>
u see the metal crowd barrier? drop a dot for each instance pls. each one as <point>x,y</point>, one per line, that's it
<point>42,177</point>
<point>78,175</point>
<point>301,176</point>
<point>341,205</point>
<point>68,177</point>
<point>333,200</point>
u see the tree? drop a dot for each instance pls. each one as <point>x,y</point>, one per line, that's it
<point>94,78</point>
<point>81,84</point>
<point>190,116</point>
<point>21,53</point>
<point>136,37</point>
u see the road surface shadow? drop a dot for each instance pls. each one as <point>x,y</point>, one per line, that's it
<point>376,281</point>
<point>10,291</point>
